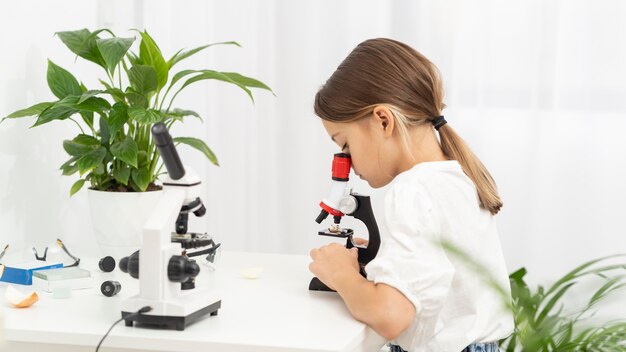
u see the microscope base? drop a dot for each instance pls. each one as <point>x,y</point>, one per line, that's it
<point>172,322</point>
<point>317,285</point>
<point>173,314</point>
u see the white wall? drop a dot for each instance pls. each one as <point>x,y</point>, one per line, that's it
<point>537,89</point>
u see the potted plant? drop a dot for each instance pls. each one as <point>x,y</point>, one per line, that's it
<point>543,323</point>
<point>113,150</point>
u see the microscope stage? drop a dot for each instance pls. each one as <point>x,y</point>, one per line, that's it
<point>343,234</point>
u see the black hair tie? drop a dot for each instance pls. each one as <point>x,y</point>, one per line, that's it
<point>439,121</point>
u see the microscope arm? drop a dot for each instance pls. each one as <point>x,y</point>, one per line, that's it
<point>364,213</point>
<point>156,244</point>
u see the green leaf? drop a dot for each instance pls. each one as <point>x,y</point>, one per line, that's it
<point>105,84</point>
<point>91,160</point>
<point>150,54</point>
<point>141,177</point>
<point>122,175</point>
<point>247,81</point>
<point>142,158</point>
<point>77,186</point>
<point>143,79</point>
<point>241,81</point>
<point>209,74</point>
<point>179,56</point>
<point>83,43</point>
<point>118,116</point>
<point>75,148</point>
<point>30,111</point>
<point>180,75</point>
<point>117,94</point>
<point>88,94</point>
<point>182,112</point>
<point>113,50</point>
<point>61,82</point>
<point>69,167</point>
<point>87,116</point>
<point>144,116</point>
<point>105,133</point>
<point>126,151</point>
<point>68,106</point>
<point>136,99</point>
<point>577,272</point>
<point>87,140</point>
<point>136,113</point>
<point>54,113</point>
<point>518,276</point>
<point>92,104</point>
<point>199,145</point>
<point>133,59</point>
<point>99,170</point>
<point>611,285</point>
<point>553,301</point>
<point>178,114</point>
<point>177,77</point>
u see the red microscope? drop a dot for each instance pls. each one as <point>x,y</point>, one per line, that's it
<point>342,201</point>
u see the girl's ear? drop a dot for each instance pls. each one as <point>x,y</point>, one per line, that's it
<point>383,120</point>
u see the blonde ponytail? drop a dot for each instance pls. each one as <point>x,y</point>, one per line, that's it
<point>455,148</point>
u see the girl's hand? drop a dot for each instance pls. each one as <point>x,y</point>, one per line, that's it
<point>358,241</point>
<point>331,260</point>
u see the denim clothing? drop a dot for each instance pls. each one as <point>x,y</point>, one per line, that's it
<point>475,347</point>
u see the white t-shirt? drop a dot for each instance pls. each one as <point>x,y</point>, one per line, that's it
<point>426,205</point>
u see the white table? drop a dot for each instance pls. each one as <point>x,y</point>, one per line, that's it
<point>274,312</point>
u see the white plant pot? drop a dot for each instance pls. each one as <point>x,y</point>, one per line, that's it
<point>118,219</point>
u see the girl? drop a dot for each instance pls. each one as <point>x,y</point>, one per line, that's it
<point>383,106</point>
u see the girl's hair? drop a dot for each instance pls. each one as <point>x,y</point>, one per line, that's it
<point>386,72</point>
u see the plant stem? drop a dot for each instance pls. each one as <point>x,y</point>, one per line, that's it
<point>110,78</point>
<point>171,101</point>
<point>156,100</point>
<point>119,73</point>
<point>158,172</point>
<point>164,96</point>
<point>153,162</point>
<point>77,124</point>
<point>169,125</point>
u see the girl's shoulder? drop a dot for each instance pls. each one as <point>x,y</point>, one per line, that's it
<point>422,173</point>
<point>428,183</point>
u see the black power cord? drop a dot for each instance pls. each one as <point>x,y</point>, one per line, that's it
<point>139,312</point>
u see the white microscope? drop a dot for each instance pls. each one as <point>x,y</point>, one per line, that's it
<point>166,275</point>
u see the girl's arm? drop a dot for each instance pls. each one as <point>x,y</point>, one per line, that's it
<point>380,306</point>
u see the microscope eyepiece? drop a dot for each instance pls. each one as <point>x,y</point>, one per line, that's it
<point>341,167</point>
<point>165,144</point>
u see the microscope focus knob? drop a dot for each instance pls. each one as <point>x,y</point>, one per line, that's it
<point>200,211</point>
<point>130,265</point>
<point>348,205</point>
<point>181,269</point>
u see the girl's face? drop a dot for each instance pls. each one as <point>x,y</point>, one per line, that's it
<point>371,153</point>
<point>377,148</point>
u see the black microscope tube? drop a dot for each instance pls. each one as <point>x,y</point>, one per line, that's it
<point>167,150</point>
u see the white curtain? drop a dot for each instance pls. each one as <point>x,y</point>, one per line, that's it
<point>537,88</point>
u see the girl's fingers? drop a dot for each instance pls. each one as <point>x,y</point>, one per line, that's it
<point>359,241</point>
